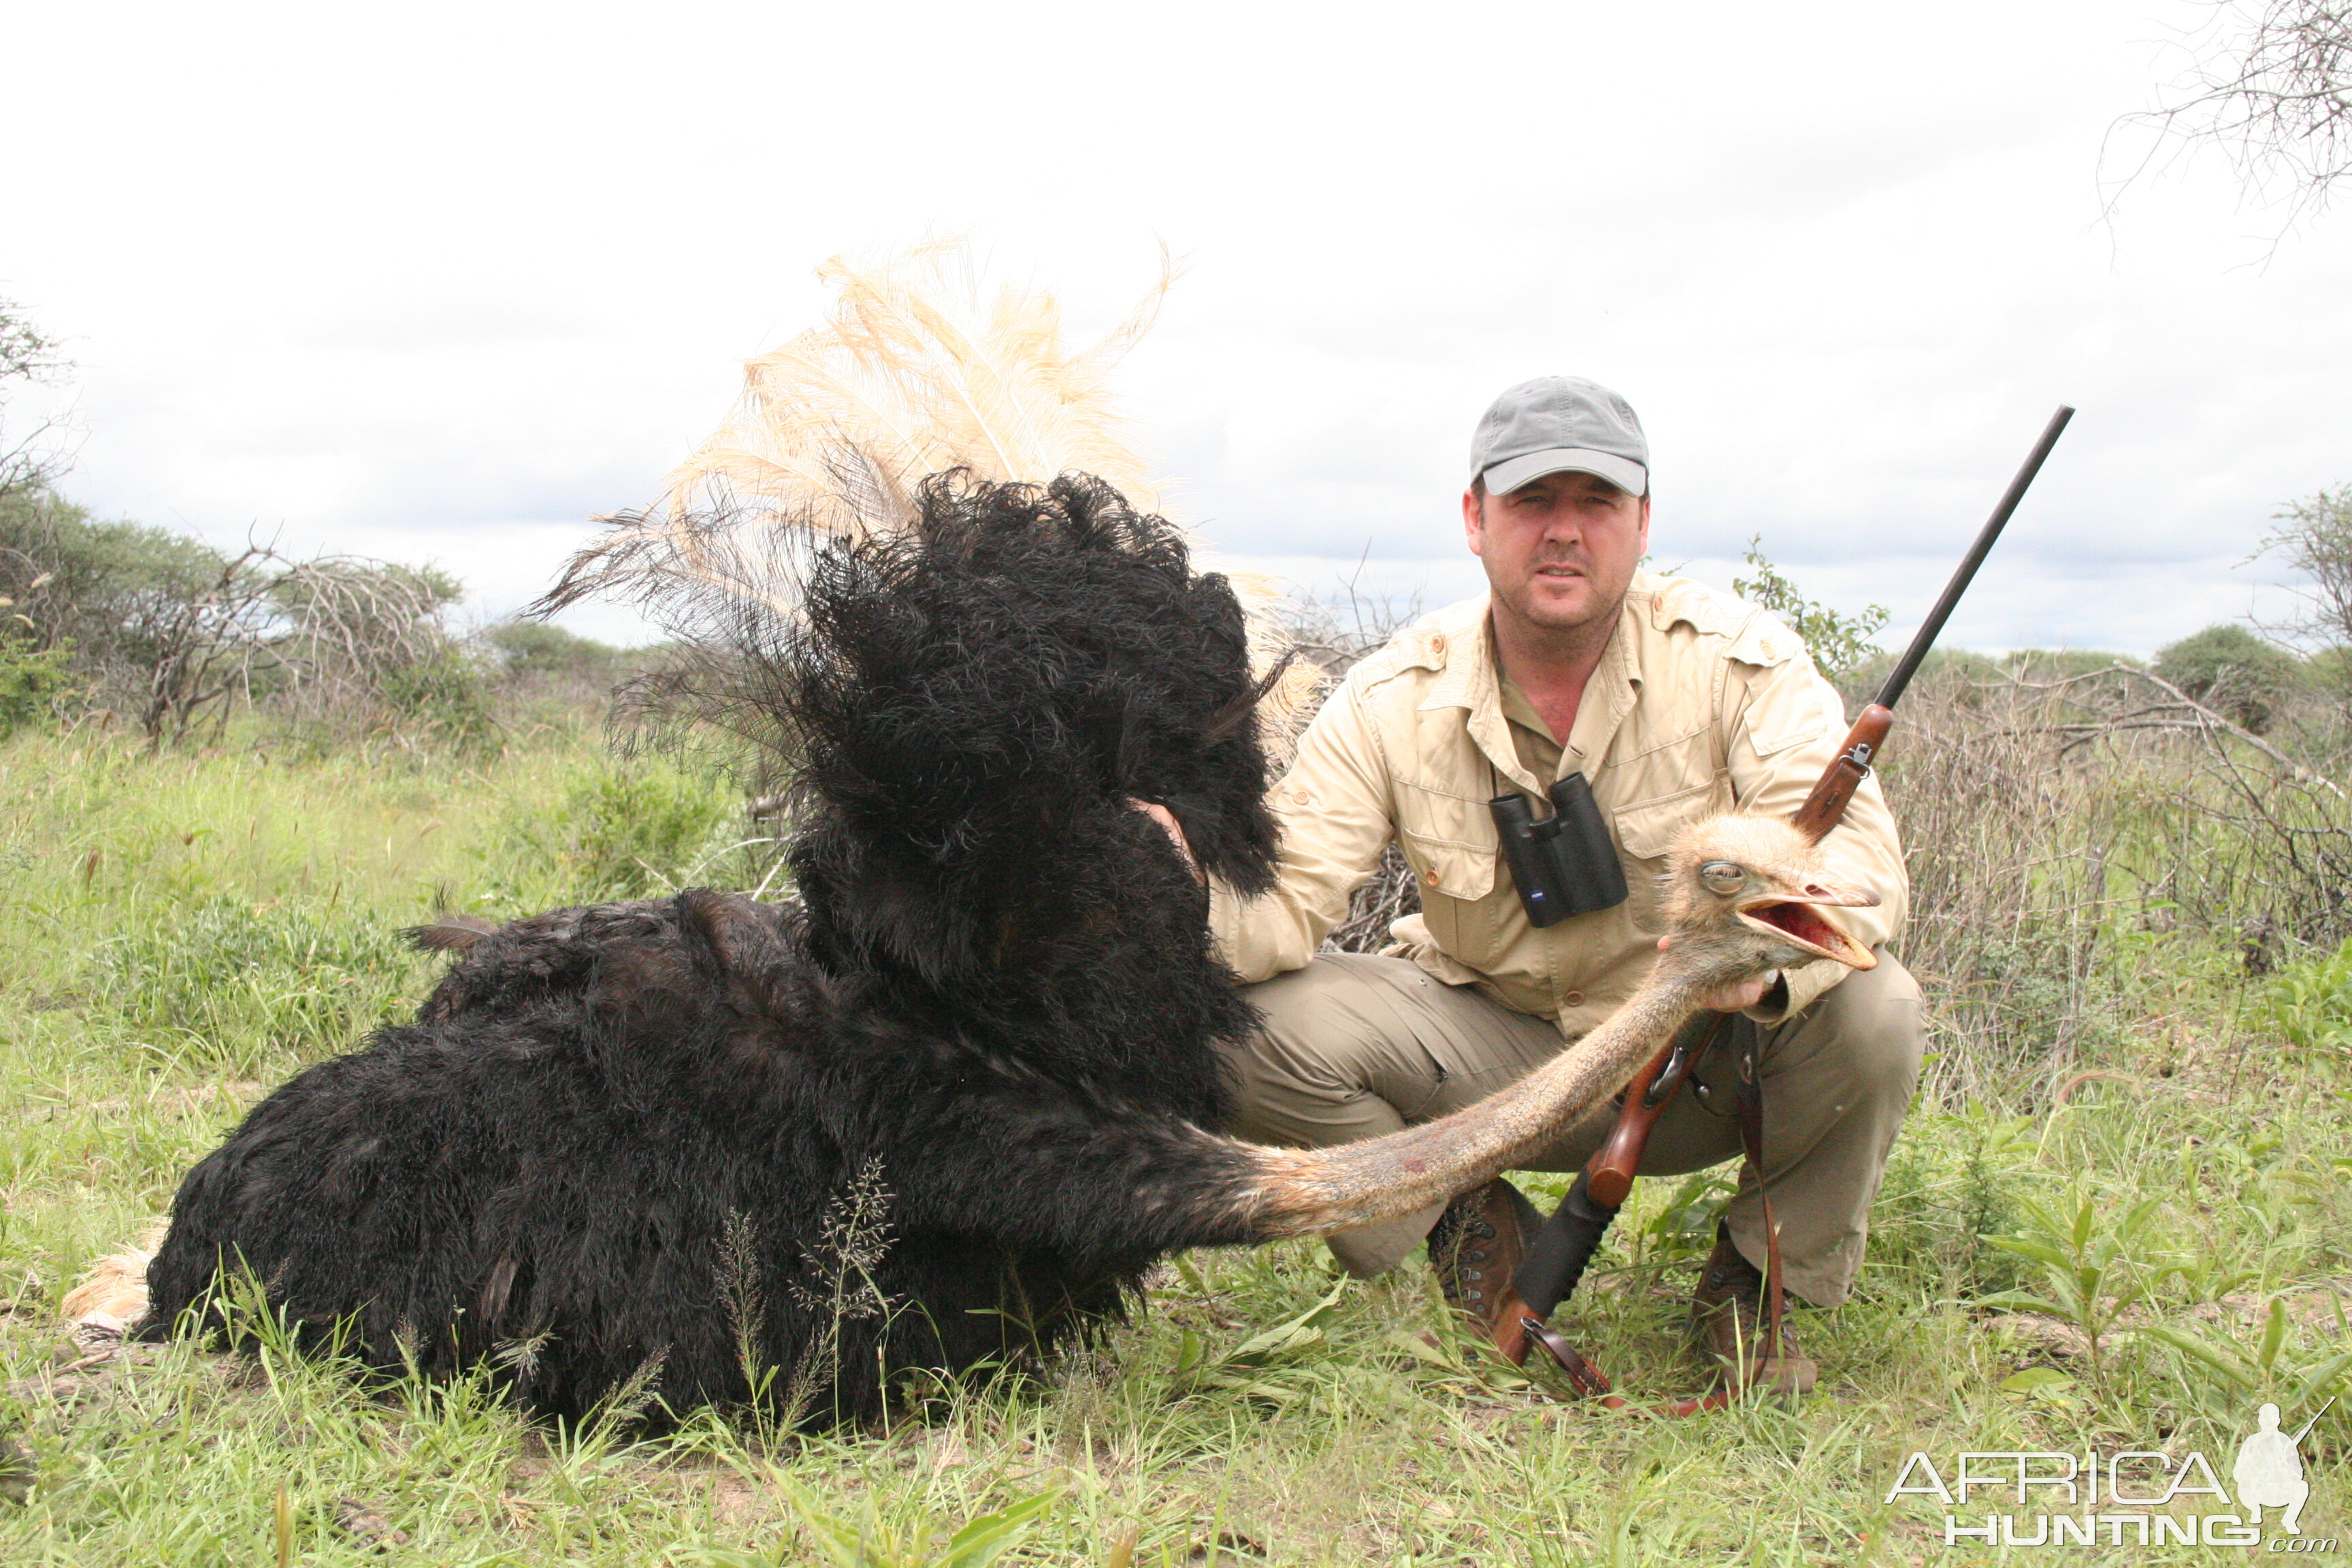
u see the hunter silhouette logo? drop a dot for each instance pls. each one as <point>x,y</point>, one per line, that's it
<point>2111,1498</point>
<point>2269,1471</point>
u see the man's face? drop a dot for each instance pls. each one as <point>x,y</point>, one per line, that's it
<point>1559,550</point>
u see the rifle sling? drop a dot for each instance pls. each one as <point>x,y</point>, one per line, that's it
<point>1751,1138</point>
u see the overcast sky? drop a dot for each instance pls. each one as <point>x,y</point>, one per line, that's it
<point>443,281</point>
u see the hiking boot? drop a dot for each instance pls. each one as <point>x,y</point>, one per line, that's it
<point>1476,1246</point>
<point>1727,1319</point>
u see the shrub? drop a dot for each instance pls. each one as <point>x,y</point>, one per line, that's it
<point>626,833</point>
<point>2232,671</point>
<point>2329,672</point>
<point>2064,663</point>
<point>163,626</point>
<point>534,650</point>
<point>2316,541</point>
<point>1839,643</point>
<point>446,695</point>
<point>2311,1004</point>
<point>34,681</point>
<point>99,585</point>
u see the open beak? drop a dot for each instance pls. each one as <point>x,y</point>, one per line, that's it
<point>1802,920</point>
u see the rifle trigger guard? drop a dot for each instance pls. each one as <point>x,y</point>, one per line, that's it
<point>1670,1076</point>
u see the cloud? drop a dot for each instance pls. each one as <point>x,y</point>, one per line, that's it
<point>452,280</point>
<point>431,322</point>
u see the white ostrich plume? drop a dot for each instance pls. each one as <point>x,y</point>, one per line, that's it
<point>911,372</point>
<point>915,369</point>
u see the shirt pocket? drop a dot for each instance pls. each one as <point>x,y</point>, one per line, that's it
<point>1452,849</point>
<point>1646,832</point>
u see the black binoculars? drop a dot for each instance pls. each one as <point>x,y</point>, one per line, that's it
<point>1563,864</point>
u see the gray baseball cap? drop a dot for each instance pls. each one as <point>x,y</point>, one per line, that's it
<point>1558,423</point>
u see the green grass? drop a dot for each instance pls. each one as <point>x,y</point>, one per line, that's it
<point>177,933</point>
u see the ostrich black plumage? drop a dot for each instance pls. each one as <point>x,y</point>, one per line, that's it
<point>611,1140</point>
<point>950,1109</point>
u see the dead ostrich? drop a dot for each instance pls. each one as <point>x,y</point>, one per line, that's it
<point>948,1111</point>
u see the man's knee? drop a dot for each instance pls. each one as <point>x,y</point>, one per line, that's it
<point>1354,1046</point>
<point>1869,1025</point>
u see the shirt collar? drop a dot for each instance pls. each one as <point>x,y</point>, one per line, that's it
<point>1462,643</point>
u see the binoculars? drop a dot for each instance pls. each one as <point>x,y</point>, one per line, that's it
<point>1564,863</point>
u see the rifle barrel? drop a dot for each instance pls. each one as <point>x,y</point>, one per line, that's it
<point>1930,628</point>
<point>1557,1255</point>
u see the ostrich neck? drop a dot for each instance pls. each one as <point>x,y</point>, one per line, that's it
<point>1309,1191</point>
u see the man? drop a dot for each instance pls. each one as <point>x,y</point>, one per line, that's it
<point>1675,703</point>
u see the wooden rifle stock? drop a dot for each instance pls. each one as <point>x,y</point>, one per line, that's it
<point>1835,788</point>
<point>1612,1168</point>
<point>1554,1264</point>
<point>1609,1172</point>
<point>1557,1255</point>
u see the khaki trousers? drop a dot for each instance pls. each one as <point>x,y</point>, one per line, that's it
<point>1356,1046</point>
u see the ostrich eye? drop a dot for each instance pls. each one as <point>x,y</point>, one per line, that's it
<point>1722,877</point>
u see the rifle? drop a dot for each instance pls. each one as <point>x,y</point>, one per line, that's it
<point>1560,1252</point>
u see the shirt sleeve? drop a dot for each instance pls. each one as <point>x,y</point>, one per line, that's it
<point>1786,724</point>
<point>1333,807</point>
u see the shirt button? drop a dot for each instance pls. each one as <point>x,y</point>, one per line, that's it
<point>1437,642</point>
<point>1430,876</point>
<point>1574,998</point>
<point>1768,647</point>
<point>1299,796</point>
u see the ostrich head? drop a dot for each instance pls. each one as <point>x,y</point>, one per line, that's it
<point>1746,895</point>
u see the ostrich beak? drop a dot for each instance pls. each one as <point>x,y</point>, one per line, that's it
<point>1801,919</point>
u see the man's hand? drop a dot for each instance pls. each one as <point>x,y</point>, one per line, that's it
<point>1173,828</point>
<point>1732,998</point>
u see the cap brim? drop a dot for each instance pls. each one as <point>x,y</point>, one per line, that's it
<point>1623,472</point>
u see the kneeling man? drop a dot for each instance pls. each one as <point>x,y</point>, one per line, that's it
<point>1675,702</point>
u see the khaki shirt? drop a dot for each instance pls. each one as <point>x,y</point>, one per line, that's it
<point>1700,703</point>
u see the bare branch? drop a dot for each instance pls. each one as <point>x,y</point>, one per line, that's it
<point>2194,715</point>
<point>2271,89</point>
<point>32,460</point>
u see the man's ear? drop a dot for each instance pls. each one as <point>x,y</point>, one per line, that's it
<point>1474,520</point>
<point>1645,525</point>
